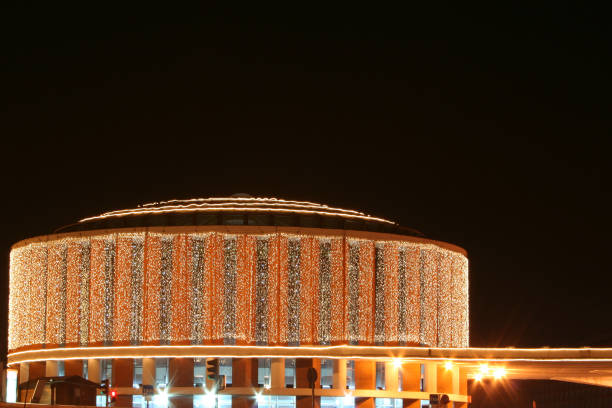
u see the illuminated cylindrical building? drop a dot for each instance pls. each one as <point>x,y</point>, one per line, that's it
<point>243,278</point>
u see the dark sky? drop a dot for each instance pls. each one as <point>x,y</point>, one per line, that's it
<point>483,127</point>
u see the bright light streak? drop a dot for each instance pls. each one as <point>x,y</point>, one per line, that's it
<point>260,398</point>
<point>499,372</point>
<point>484,369</point>
<point>448,365</point>
<point>478,377</point>
<point>11,385</point>
<point>161,398</point>
<point>397,362</point>
<point>210,399</point>
<point>348,400</point>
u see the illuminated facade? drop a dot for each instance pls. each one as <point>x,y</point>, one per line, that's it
<point>247,279</point>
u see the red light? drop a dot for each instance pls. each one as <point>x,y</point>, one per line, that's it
<point>113,393</point>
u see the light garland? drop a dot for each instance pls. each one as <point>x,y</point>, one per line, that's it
<point>154,288</point>
<point>240,205</point>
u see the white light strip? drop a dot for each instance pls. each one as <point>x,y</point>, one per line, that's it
<point>383,353</point>
<point>229,204</point>
<point>235,209</point>
<point>265,200</point>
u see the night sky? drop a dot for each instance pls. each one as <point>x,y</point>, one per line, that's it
<point>483,127</point>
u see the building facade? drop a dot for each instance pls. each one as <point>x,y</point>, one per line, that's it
<point>272,287</point>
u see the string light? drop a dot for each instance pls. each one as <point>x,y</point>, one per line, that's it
<point>238,204</point>
<point>147,288</point>
<point>499,372</point>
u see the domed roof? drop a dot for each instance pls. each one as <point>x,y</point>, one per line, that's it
<point>239,209</point>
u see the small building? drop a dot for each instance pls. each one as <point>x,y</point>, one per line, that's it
<point>67,390</point>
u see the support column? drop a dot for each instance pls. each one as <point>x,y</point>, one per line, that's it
<point>73,367</point>
<point>462,386</point>
<point>148,371</point>
<point>277,373</point>
<point>180,374</point>
<point>444,380</point>
<point>456,382</point>
<point>365,379</point>
<point>122,376</point>
<point>51,369</point>
<point>431,381</point>
<point>302,365</point>
<point>339,374</point>
<point>93,370</point>
<point>24,375</point>
<point>391,376</point>
<point>244,374</point>
<point>411,381</point>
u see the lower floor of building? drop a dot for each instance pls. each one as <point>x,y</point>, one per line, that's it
<point>257,382</point>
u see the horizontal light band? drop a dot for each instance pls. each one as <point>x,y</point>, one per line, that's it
<point>234,209</point>
<point>466,355</point>
<point>238,204</point>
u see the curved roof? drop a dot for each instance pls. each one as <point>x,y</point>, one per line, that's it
<point>239,209</point>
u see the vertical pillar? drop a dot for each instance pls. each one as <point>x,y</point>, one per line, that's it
<point>244,374</point>
<point>391,376</point>
<point>411,381</point>
<point>277,373</point>
<point>180,374</point>
<point>462,387</point>
<point>444,380</point>
<point>339,374</point>
<point>93,370</point>
<point>456,382</point>
<point>51,369</point>
<point>122,377</point>
<point>24,376</point>
<point>302,366</point>
<point>148,371</point>
<point>73,367</point>
<point>365,379</point>
<point>431,381</point>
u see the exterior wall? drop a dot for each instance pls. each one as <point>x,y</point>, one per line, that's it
<point>243,286</point>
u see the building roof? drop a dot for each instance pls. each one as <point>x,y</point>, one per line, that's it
<point>239,209</point>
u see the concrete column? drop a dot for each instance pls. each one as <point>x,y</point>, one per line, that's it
<point>73,367</point>
<point>277,373</point>
<point>180,374</point>
<point>411,381</point>
<point>339,374</point>
<point>302,366</point>
<point>444,379</point>
<point>93,370</point>
<point>391,376</point>
<point>365,379</point>
<point>24,372</point>
<point>24,375</point>
<point>51,369</point>
<point>431,383</point>
<point>463,387</point>
<point>148,371</point>
<point>456,382</point>
<point>122,376</point>
<point>244,374</point>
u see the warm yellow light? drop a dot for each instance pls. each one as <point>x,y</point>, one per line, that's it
<point>210,399</point>
<point>499,372</point>
<point>478,377</point>
<point>259,398</point>
<point>448,365</point>
<point>484,369</point>
<point>397,362</point>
